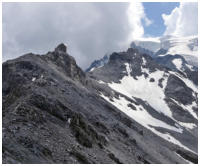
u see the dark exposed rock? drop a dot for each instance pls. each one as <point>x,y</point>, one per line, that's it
<point>152,80</point>
<point>188,156</point>
<point>167,61</point>
<point>116,160</point>
<point>61,47</point>
<point>160,82</point>
<point>177,89</point>
<point>80,157</point>
<point>132,106</point>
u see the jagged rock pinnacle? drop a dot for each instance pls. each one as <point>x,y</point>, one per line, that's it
<point>61,48</point>
<point>132,50</point>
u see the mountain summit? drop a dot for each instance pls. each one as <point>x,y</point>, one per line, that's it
<point>61,47</point>
<point>132,109</point>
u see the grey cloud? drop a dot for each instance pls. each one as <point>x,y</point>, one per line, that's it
<point>89,29</point>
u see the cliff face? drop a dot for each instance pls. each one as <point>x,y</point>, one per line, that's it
<point>55,113</point>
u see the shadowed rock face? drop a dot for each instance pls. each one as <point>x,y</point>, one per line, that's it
<point>53,113</point>
<point>66,64</point>
<point>177,89</point>
<point>61,48</point>
<point>190,71</point>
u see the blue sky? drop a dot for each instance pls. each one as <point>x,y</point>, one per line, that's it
<point>154,11</point>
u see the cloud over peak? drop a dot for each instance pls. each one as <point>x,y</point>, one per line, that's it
<point>183,20</point>
<point>89,29</point>
<point>136,14</point>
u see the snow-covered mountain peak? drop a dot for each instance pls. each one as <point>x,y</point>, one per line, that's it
<point>175,45</point>
<point>187,47</point>
<point>151,44</point>
<point>180,45</point>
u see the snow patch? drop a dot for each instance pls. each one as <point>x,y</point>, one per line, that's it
<point>144,61</point>
<point>162,55</point>
<point>128,68</point>
<point>178,63</point>
<point>92,69</point>
<point>33,79</point>
<point>187,125</point>
<point>101,82</point>
<point>69,120</point>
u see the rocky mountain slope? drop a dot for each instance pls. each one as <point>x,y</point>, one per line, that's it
<point>131,110</point>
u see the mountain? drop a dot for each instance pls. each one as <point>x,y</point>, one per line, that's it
<point>161,49</point>
<point>179,64</point>
<point>141,49</point>
<point>150,44</point>
<point>98,63</point>
<point>187,47</point>
<point>130,110</point>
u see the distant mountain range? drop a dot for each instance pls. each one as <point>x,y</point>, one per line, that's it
<point>186,47</point>
<point>128,107</point>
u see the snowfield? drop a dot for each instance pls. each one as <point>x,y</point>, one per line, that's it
<point>140,114</point>
<point>154,95</point>
<point>143,88</point>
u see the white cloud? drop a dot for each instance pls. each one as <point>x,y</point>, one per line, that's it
<point>183,20</point>
<point>136,14</point>
<point>89,29</point>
